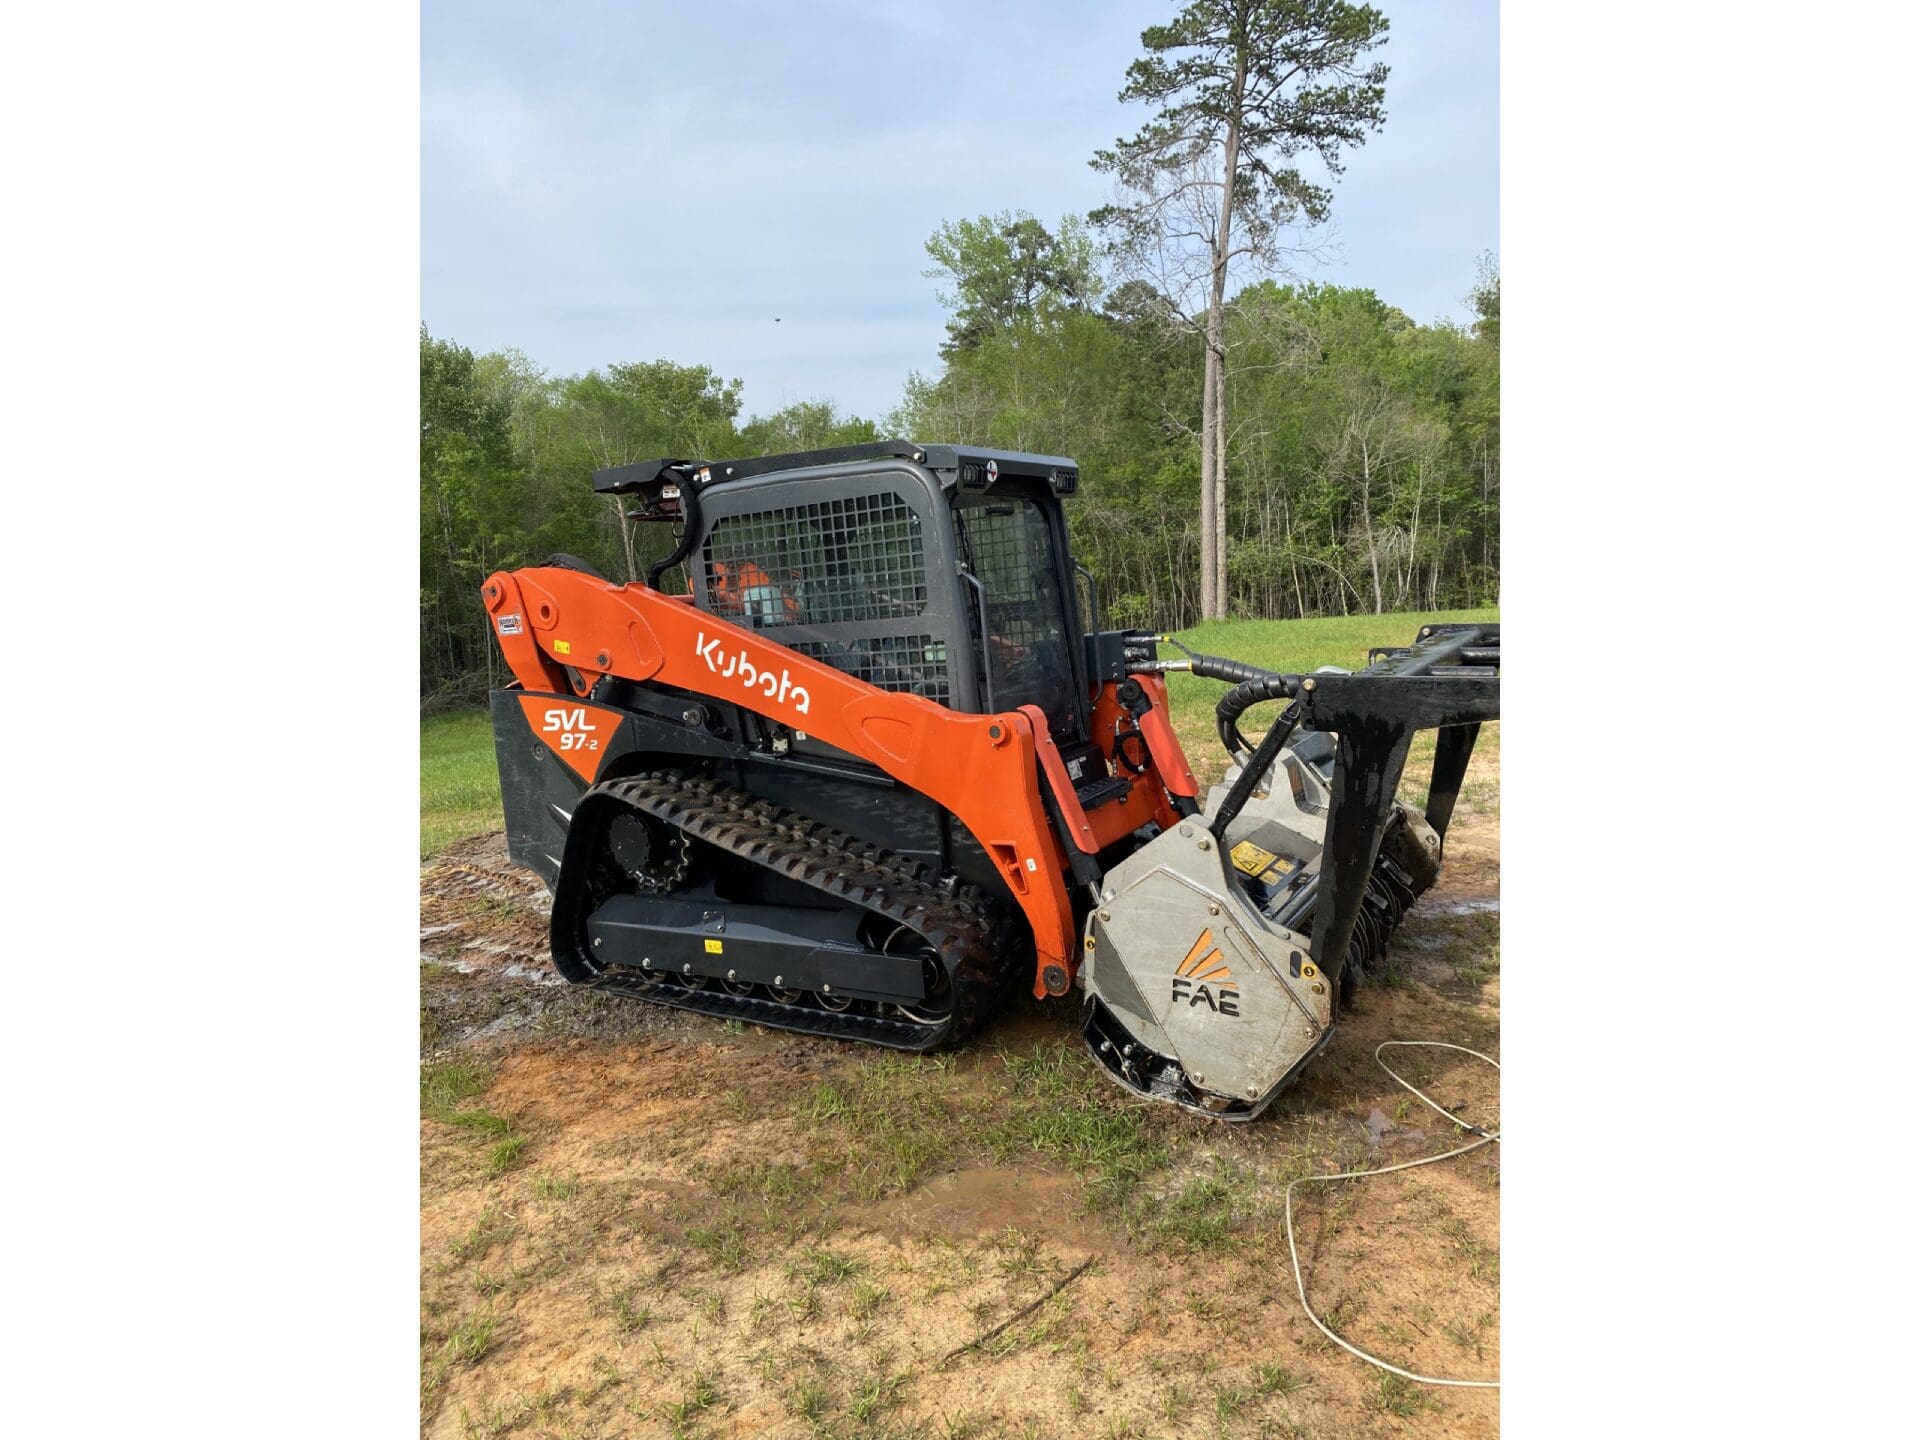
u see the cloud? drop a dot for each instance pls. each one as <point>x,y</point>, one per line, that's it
<point>603,183</point>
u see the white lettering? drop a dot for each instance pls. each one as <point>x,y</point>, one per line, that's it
<point>738,666</point>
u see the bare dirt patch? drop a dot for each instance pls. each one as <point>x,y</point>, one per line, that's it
<point>700,1229</point>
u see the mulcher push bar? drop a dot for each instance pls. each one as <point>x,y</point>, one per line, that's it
<point>1447,680</point>
<point>1373,715</point>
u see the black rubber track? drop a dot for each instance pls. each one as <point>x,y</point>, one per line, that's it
<point>975,941</point>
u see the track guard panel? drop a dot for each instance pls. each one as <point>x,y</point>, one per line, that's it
<point>538,790</point>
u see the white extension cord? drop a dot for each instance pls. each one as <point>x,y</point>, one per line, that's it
<point>1487,1137</point>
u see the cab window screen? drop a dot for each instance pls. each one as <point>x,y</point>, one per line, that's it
<point>1009,546</point>
<point>855,559</point>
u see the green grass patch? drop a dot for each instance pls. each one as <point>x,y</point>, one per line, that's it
<point>471,1338</point>
<point>459,779</point>
<point>890,1122</point>
<point>444,1090</point>
<point>443,1087</point>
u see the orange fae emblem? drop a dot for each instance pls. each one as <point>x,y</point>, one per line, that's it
<point>1204,979</point>
<point>579,734</point>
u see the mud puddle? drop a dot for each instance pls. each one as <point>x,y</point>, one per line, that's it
<point>965,1204</point>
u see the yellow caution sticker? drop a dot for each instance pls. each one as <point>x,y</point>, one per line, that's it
<point>1251,859</point>
<point>714,948</point>
<point>562,647</point>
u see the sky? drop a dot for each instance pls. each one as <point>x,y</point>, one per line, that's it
<point>750,185</point>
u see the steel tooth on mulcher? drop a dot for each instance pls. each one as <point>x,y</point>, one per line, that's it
<point>1389,896</point>
<point>958,925</point>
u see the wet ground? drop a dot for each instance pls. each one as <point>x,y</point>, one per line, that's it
<point>636,1221</point>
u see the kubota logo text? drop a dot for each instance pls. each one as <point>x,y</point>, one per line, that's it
<point>737,666</point>
<point>1204,979</point>
<point>572,727</point>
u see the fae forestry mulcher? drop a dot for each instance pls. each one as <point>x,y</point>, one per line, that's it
<point>882,763</point>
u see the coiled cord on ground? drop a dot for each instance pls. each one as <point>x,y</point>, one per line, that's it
<point>1487,1137</point>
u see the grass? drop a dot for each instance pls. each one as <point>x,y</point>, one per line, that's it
<point>491,1229</point>
<point>444,1089</point>
<point>471,1338</point>
<point>459,779</point>
<point>1403,1398</point>
<point>702,1393</point>
<point>891,1121</point>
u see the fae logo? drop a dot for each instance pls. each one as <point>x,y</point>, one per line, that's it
<point>751,677</point>
<point>578,734</point>
<point>1204,979</point>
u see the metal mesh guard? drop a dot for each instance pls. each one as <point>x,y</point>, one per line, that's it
<point>916,664</point>
<point>834,564</point>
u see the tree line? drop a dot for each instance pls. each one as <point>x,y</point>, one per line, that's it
<point>1265,449</point>
<point>1365,450</point>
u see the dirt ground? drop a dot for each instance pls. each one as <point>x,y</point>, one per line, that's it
<point>639,1222</point>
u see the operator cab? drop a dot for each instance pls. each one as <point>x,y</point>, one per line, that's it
<point>936,570</point>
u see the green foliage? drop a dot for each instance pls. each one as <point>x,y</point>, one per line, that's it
<point>506,458</point>
<point>1364,448</point>
<point>1007,267</point>
<point>1364,451</point>
<point>1271,80</point>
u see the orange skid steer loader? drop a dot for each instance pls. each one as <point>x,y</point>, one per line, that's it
<point>882,763</point>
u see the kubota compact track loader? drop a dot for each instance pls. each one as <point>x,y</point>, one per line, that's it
<point>875,767</point>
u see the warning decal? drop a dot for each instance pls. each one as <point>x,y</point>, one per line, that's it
<point>1250,859</point>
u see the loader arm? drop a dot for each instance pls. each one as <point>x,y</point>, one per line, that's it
<point>983,768</point>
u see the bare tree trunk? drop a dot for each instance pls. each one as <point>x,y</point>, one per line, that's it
<point>626,538</point>
<point>1366,524</point>
<point>1214,397</point>
<point>1293,560</point>
<point>1221,595</point>
<point>1413,538</point>
<point>1209,555</point>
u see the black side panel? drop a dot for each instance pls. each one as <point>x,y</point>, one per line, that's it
<point>538,789</point>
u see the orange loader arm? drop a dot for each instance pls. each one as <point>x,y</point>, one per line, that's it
<point>982,768</point>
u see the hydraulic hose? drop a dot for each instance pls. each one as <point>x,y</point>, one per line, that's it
<point>689,534</point>
<point>1255,770</point>
<point>1242,698</point>
<point>1252,685</point>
